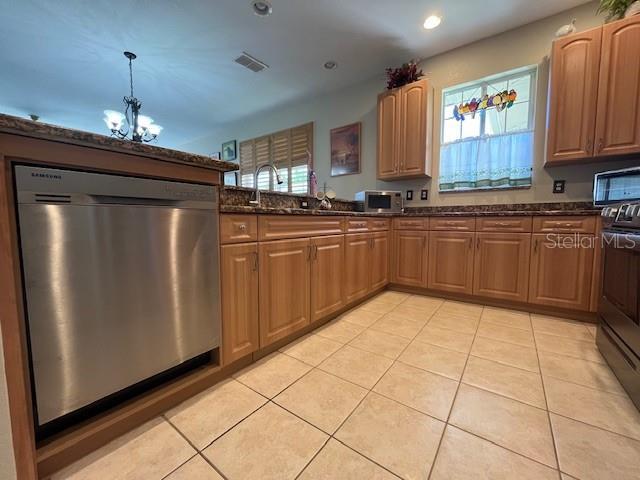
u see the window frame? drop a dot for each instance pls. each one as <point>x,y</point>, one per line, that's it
<point>483,83</point>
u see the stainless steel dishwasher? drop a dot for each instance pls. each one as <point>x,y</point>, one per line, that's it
<point>121,281</point>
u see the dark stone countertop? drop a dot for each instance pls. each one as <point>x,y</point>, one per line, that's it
<point>302,211</point>
<point>28,128</point>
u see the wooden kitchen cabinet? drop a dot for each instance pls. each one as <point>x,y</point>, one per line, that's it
<point>327,275</point>
<point>618,113</point>
<point>285,290</point>
<point>451,261</point>
<point>356,254</point>
<point>379,260</point>
<point>594,93</point>
<point>501,267</point>
<point>388,131</point>
<point>575,62</point>
<point>410,253</point>
<point>561,270</point>
<point>404,131</point>
<point>240,325</point>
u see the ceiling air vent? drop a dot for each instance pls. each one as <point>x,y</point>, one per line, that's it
<point>251,63</point>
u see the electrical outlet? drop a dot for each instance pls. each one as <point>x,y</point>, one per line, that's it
<point>558,186</point>
<point>424,194</point>
<point>409,194</point>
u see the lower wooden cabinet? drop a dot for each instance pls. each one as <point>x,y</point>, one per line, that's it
<point>356,255</point>
<point>379,260</point>
<point>327,275</point>
<point>451,261</point>
<point>561,270</point>
<point>501,267</point>
<point>284,288</point>
<point>239,269</point>
<point>410,253</point>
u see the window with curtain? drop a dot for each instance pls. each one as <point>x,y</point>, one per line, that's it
<point>290,151</point>
<point>493,149</point>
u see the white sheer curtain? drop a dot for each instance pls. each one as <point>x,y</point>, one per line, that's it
<point>486,162</point>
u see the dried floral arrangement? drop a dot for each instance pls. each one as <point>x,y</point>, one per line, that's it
<point>407,73</point>
<point>615,9</point>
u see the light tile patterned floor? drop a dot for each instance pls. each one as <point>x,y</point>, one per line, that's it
<point>403,386</point>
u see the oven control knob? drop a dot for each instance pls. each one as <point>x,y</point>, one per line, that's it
<point>605,211</point>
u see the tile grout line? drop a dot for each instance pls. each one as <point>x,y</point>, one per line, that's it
<point>546,403</point>
<point>369,391</point>
<point>180,466</point>
<point>198,452</point>
<point>453,402</point>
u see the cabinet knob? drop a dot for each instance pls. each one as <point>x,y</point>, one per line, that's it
<point>242,227</point>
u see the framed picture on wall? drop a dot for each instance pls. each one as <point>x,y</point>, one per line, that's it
<point>229,150</point>
<point>216,156</point>
<point>345,149</point>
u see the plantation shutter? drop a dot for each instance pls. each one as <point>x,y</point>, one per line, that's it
<point>290,151</point>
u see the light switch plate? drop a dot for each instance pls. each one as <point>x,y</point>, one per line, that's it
<point>409,194</point>
<point>558,186</point>
<point>424,194</point>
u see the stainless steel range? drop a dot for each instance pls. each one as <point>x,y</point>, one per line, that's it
<point>618,335</point>
<point>121,282</point>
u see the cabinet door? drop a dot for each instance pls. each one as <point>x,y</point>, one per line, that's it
<point>561,267</point>
<point>379,260</point>
<point>356,254</point>
<point>573,88</point>
<point>410,258</point>
<point>327,275</point>
<point>451,261</point>
<point>501,267</point>
<point>284,288</point>
<point>388,131</point>
<point>239,270</point>
<point>413,129</point>
<point>618,118</point>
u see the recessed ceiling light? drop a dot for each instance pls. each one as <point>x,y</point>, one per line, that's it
<point>432,22</point>
<point>262,8</point>
<point>330,65</point>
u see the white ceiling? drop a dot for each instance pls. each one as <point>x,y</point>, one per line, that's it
<point>62,59</point>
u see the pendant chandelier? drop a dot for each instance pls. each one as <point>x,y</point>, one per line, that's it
<point>140,127</point>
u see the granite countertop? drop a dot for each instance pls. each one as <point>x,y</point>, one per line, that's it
<point>302,211</point>
<point>28,128</point>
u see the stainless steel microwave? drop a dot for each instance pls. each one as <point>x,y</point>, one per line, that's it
<point>617,186</point>
<point>378,201</point>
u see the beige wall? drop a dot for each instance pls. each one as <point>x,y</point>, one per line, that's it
<point>7,463</point>
<point>528,45</point>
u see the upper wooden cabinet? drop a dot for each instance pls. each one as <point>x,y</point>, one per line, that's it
<point>451,261</point>
<point>284,288</point>
<point>594,93</point>
<point>618,118</point>
<point>404,131</point>
<point>575,62</point>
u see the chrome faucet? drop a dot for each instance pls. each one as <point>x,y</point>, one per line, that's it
<point>256,202</point>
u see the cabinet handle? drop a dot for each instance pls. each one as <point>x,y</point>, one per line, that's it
<point>477,243</point>
<point>600,145</point>
<point>535,246</point>
<point>308,253</point>
<point>315,252</point>
<point>255,261</point>
<point>589,145</point>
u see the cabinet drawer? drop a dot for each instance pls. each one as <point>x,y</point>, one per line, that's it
<point>379,224</point>
<point>411,223</point>
<point>504,224</point>
<point>275,227</point>
<point>565,224</point>
<point>459,224</point>
<point>355,225</point>
<point>238,228</point>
